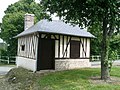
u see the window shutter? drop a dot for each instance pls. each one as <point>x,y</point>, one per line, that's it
<point>74,49</point>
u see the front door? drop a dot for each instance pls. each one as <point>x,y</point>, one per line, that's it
<point>47,54</point>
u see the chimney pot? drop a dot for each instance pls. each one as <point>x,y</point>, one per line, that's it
<point>28,21</point>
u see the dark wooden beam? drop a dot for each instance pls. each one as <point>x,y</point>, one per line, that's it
<point>58,45</point>
<point>74,58</point>
<point>62,44</point>
<point>55,37</point>
<point>38,52</point>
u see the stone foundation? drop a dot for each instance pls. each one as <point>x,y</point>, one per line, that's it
<point>65,64</point>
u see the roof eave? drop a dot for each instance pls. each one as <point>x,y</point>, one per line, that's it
<point>54,33</point>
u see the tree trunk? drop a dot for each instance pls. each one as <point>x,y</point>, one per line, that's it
<point>104,52</point>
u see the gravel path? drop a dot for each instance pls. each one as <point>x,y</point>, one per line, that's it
<point>97,64</point>
<point>5,69</point>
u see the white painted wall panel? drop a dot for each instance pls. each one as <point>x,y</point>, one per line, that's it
<point>27,63</point>
<point>56,48</point>
<point>31,45</point>
<point>52,37</point>
<point>43,35</point>
<point>88,48</point>
<point>61,52</point>
<point>75,38</point>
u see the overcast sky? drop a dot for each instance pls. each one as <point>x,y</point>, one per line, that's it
<point>4,4</point>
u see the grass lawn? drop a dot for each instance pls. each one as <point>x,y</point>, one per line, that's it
<point>77,80</point>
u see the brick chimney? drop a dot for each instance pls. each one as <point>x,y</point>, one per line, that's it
<point>28,21</point>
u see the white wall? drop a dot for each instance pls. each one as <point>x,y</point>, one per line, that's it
<point>27,63</point>
<point>31,45</point>
<point>84,47</point>
<point>88,48</point>
<point>56,48</point>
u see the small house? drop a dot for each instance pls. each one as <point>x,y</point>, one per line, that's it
<point>52,45</point>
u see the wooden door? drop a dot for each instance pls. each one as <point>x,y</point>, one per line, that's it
<point>47,54</point>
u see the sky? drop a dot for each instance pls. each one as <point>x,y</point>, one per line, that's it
<point>4,4</point>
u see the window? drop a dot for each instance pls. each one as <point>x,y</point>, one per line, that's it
<point>74,49</point>
<point>22,47</point>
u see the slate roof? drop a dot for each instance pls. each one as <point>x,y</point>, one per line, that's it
<point>56,27</point>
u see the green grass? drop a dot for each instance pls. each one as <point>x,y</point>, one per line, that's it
<point>77,80</point>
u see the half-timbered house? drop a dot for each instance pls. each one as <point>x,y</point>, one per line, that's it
<point>52,45</point>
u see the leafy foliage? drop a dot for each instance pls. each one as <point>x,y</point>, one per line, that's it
<point>83,12</point>
<point>13,21</point>
<point>96,42</point>
<point>115,43</point>
<point>11,26</point>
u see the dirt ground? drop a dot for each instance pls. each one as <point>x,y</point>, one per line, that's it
<point>112,80</point>
<point>19,79</point>
<point>4,85</point>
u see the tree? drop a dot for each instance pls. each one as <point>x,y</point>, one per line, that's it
<point>11,26</point>
<point>13,21</point>
<point>86,13</point>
